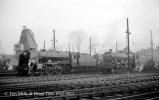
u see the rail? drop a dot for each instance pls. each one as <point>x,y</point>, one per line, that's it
<point>145,96</point>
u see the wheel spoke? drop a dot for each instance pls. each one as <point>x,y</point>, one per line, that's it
<point>48,70</point>
<point>31,73</point>
<point>58,69</point>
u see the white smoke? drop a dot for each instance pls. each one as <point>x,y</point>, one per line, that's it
<point>10,68</point>
<point>139,67</point>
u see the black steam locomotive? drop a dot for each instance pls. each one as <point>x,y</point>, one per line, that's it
<point>54,62</point>
<point>117,62</point>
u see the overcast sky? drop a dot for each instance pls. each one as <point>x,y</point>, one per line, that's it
<point>104,20</point>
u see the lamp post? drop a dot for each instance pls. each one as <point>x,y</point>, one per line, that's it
<point>128,33</point>
<point>53,40</point>
<point>151,48</point>
<point>90,45</point>
<point>3,52</point>
<point>0,47</point>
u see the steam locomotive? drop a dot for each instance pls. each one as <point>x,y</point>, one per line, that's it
<point>57,62</point>
<point>118,62</point>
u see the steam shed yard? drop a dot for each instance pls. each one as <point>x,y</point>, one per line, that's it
<point>79,50</point>
<point>58,75</point>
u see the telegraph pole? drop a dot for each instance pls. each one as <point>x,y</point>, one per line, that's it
<point>73,48</point>
<point>128,33</point>
<point>44,45</point>
<point>54,40</point>
<point>0,47</point>
<point>69,47</point>
<point>90,46</point>
<point>95,51</point>
<point>151,48</point>
<point>116,46</point>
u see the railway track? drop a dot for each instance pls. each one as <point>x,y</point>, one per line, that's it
<point>107,92</point>
<point>86,86</point>
<point>86,79</point>
<point>144,96</point>
<point>7,73</point>
<point>19,80</point>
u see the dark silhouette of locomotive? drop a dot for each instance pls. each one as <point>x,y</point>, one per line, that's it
<point>117,62</point>
<point>23,63</point>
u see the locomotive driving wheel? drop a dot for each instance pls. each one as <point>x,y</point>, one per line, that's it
<point>41,72</point>
<point>48,70</point>
<point>31,73</point>
<point>58,69</point>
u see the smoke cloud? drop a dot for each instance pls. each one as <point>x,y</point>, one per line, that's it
<point>77,38</point>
